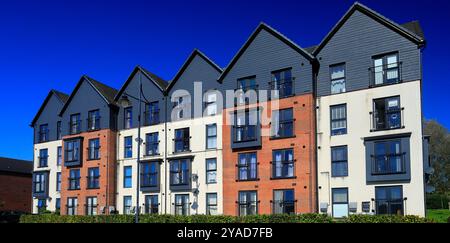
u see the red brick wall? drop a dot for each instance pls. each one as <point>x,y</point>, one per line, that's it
<point>15,192</point>
<point>106,195</point>
<point>303,144</point>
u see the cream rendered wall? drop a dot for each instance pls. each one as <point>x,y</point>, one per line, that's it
<point>198,150</point>
<point>359,104</point>
<point>53,168</point>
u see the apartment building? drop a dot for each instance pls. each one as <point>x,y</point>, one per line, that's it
<point>369,117</point>
<point>335,128</point>
<point>182,158</point>
<point>269,161</point>
<point>88,171</point>
<point>48,153</point>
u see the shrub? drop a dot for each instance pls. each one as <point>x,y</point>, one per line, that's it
<point>437,201</point>
<point>374,219</point>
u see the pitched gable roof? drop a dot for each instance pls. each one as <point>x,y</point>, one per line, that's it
<point>253,36</point>
<point>16,166</point>
<point>59,95</point>
<point>402,30</point>
<point>159,82</point>
<point>106,92</point>
<point>414,27</point>
<point>186,64</point>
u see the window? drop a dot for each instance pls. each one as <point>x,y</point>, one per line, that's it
<point>211,103</point>
<point>150,174</point>
<point>58,204</point>
<point>72,204</point>
<point>40,180</point>
<point>245,85</point>
<point>182,106</point>
<point>43,158</point>
<point>58,181</point>
<point>245,126</point>
<point>75,124</point>
<point>283,202</point>
<point>389,200</point>
<point>283,163</point>
<point>127,205</point>
<point>72,152</point>
<point>93,178</point>
<point>42,205</point>
<point>128,147</point>
<point>58,130</point>
<point>211,203</point>
<point>152,144</point>
<point>340,202</point>
<point>339,161</point>
<point>211,171</point>
<point>388,158</point>
<point>386,70</point>
<point>247,167</point>
<point>182,205</point>
<point>128,118</point>
<point>91,206</point>
<point>338,120</point>
<point>94,120</point>
<point>283,82</point>
<point>387,114</point>
<point>94,149</point>
<point>43,133</point>
<point>248,203</point>
<point>182,140</point>
<point>152,113</point>
<point>179,172</point>
<point>59,156</point>
<point>127,176</point>
<point>283,123</point>
<point>151,204</point>
<point>211,136</point>
<point>337,76</point>
<point>74,179</point>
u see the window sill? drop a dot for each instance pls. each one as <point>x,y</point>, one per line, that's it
<point>279,138</point>
<point>74,189</point>
<point>371,86</point>
<point>389,174</point>
<point>92,188</point>
<point>283,178</point>
<point>151,155</point>
<point>387,129</point>
<point>182,152</point>
<point>250,180</point>
<point>94,159</point>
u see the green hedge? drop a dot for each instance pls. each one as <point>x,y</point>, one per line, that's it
<point>304,218</point>
<point>437,201</point>
<point>374,219</point>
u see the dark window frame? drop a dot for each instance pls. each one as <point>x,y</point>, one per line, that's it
<point>59,154</point>
<point>333,172</point>
<point>152,114</point>
<point>40,185</point>
<point>128,148</point>
<point>127,177</point>
<point>75,125</point>
<point>91,208</point>
<point>152,146</point>
<point>387,113</point>
<point>284,203</point>
<point>58,130</point>
<point>283,164</point>
<point>184,174</point>
<point>44,133</point>
<point>184,140</point>
<point>246,127</point>
<point>152,207</point>
<point>74,180</point>
<point>331,67</point>
<point>341,131</point>
<point>43,158</point>
<point>72,206</point>
<point>210,206</point>
<point>247,166</point>
<point>185,210</point>
<point>389,200</point>
<point>282,83</point>
<point>93,180</point>
<point>282,123</point>
<point>208,136</point>
<point>388,154</point>
<point>247,204</point>
<point>58,181</point>
<point>128,120</point>
<point>94,151</point>
<point>93,121</point>
<point>127,208</point>
<point>208,171</point>
<point>148,176</point>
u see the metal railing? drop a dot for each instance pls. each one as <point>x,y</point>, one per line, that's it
<point>244,133</point>
<point>93,182</point>
<point>385,74</point>
<point>389,207</point>
<point>283,169</point>
<point>43,136</point>
<point>387,120</point>
<point>389,164</point>
<point>285,129</point>
<point>283,207</point>
<point>74,183</point>
<point>151,148</point>
<point>151,117</point>
<point>149,179</point>
<point>75,127</point>
<point>181,145</point>
<point>244,172</point>
<point>247,208</point>
<point>182,208</point>
<point>285,87</point>
<point>179,178</point>
<point>241,98</point>
<point>93,124</point>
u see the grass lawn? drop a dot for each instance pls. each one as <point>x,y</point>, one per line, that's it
<point>439,215</point>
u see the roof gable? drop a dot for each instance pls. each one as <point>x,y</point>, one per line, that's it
<point>253,36</point>
<point>106,92</point>
<point>188,62</point>
<point>405,31</point>
<point>159,82</point>
<point>61,97</point>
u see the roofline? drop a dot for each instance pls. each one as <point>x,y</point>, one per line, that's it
<point>186,64</point>
<point>377,17</point>
<point>41,109</point>
<point>83,78</point>
<point>133,73</point>
<point>272,31</point>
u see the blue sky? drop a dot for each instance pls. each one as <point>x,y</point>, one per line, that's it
<point>50,44</point>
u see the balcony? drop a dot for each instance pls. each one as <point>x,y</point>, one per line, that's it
<point>389,164</point>
<point>181,145</point>
<point>74,183</point>
<point>93,124</point>
<point>244,133</point>
<point>75,127</point>
<point>385,74</point>
<point>284,207</point>
<point>389,207</point>
<point>387,120</point>
<point>284,87</point>
<point>151,148</point>
<point>283,169</point>
<point>149,180</point>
